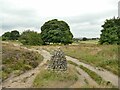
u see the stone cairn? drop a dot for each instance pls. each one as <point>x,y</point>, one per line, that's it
<point>58,61</point>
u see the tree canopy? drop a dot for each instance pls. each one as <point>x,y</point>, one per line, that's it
<point>13,35</point>
<point>55,31</point>
<point>84,39</point>
<point>31,38</point>
<point>110,32</point>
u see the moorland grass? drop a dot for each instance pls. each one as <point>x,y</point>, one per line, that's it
<point>46,78</point>
<point>16,60</point>
<point>105,56</point>
<point>92,74</point>
<point>97,78</point>
<point>70,62</point>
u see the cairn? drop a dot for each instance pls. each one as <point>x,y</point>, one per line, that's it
<point>58,61</point>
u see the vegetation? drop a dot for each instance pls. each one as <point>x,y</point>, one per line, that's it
<point>55,31</point>
<point>92,74</point>
<point>96,77</point>
<point>110,32</point>
<point>70,62</point>
<point>6,36</point>
<point>84,39</point>
<point>16,60</point>
<point>96,55</point>
<point>13,35</point>
<point>30,38</point>
<point>89,42</point>
<point>105,56</point>
<point>49,78</point>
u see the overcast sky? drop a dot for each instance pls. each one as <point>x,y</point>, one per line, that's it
<point>84,17</point>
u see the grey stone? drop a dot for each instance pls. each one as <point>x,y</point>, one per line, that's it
<point>58,61</point>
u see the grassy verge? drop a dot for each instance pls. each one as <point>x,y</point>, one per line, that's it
<point>92,74</point>
<point>105,56</point>
<point>70,62</point>
<point>97,78</point>
<point>48,78</point>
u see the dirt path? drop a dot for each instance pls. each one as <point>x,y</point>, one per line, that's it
<point>90,81</point>
<point>106,75</point>
<point>26,79</point>
<point>84,80</point>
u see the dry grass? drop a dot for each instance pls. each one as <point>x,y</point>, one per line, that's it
<point>105,56</point>
<point>89,42</point>
<point>16,60</point>
<point>53,79</point>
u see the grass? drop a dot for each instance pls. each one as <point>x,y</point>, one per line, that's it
<point>86,81</point>
<point>70,62</point>
<point>104,56</point>
<point>49,78</point>
<point>92,74</point>
<point>16,60</point>
<point>96,77</point>
<point>89,42</point>
<point>13,41</point>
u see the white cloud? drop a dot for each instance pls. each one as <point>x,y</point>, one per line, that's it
<point>87,15</point>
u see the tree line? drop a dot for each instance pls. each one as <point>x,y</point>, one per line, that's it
<point>54,31</point>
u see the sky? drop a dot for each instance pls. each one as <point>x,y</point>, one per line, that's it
<point>84,17</point>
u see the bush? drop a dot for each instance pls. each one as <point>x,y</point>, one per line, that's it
<point>30,38</point>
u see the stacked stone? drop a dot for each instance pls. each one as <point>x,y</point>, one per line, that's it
<point>58,61</point>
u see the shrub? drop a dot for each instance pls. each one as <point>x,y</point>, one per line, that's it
<point>31,38</point>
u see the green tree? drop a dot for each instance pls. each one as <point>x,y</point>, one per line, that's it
<point>55,31</point>
<point>30,38</point>
<point>14,35</point>
<point>110,32</point>
<point>84,39</point>
<point>6,36</point>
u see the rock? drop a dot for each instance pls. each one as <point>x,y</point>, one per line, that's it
<point>58,61</point>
